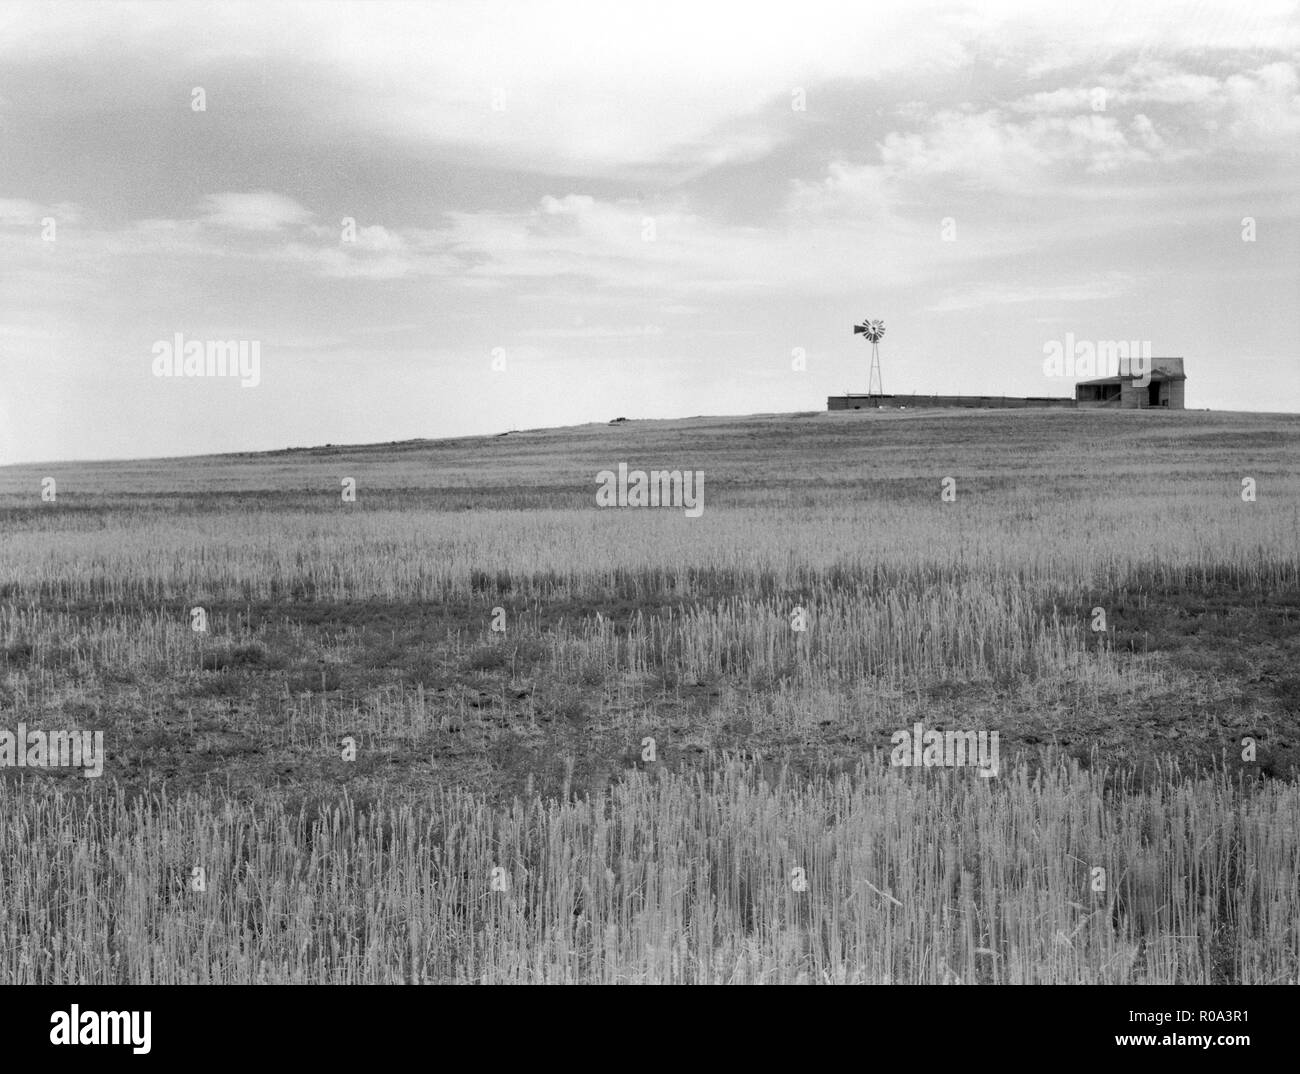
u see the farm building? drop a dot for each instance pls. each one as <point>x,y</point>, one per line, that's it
<point>1123,392</point>
<point>1126,392</point>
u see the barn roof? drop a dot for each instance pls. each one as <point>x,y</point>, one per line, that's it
<point>1161,369</point>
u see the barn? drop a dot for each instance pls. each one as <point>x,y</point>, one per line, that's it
<point>1127,392</point>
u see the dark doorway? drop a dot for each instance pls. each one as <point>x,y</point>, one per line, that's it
<point>1153,393</point>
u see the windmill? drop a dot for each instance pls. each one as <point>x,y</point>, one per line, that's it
<point>872,330</point>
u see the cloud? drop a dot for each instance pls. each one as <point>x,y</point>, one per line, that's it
<point>599,331</point>
<point>25,332</point>
<point>856,191</point>
<point>1145,132</point>
<point>546,86</point>
<point>18,212</point>
<point>1000,153</point>
<point>1154,113</point>
<point>259,210</point>
<point>969,298</point>
<point>1247,106</point>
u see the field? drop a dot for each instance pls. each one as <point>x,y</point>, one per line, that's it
<point>412,741</point>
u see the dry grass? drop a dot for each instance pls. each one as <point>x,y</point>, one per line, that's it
<point>521,750</point>
<point>668,879</point>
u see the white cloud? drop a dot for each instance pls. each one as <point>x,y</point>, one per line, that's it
<point>969,298</point>
<point>599,331</point>
<point>25,332</point>
<point>1145,132</point>
<point>19,212</point>
<point>258,210</point>
<point>860,192</point>
<point>15,212</point>
<point>579,82</point>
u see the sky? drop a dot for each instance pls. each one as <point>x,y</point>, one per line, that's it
<point>453,219</point>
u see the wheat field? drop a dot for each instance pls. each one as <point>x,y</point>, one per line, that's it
<point>471,727</point>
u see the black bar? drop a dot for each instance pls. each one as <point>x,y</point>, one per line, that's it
<point>334,1023</point>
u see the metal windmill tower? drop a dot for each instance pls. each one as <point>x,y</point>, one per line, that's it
<point>872,330</point>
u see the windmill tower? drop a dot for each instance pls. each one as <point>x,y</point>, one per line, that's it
<point>872,331</point>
